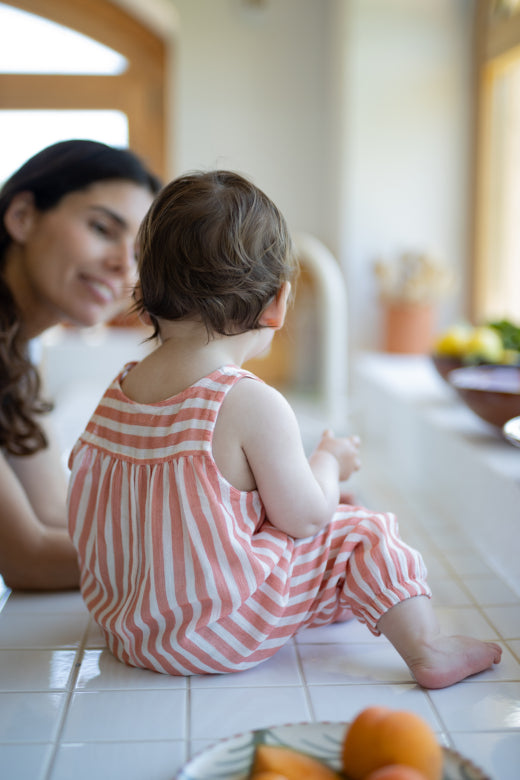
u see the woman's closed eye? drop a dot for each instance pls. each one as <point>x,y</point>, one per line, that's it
<point>104,229</point>
<point>106,223</point>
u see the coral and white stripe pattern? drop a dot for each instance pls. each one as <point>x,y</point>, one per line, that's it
<point>183,572</point>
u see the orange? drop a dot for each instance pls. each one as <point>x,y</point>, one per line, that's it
<point>379,736</point>
<point>393,772</point>
<point>268,776</point>
<point>291,764</point>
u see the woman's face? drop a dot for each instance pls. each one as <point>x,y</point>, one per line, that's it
<point>76,262</point>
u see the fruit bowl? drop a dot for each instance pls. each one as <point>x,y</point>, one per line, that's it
<point>490,391</point>
<point>445,364</point>
<point>464,345</point>
<point>231,758</point>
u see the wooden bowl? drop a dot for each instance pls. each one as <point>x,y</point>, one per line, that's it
<point>491,391</point>
<point>445,364</point>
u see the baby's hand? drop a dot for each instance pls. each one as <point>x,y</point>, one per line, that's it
<point>345,450</point>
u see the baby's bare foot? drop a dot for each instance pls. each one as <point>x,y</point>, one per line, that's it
<point>436,660</point>
<point>446,660</point>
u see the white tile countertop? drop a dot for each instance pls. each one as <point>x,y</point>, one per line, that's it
<point>69,710</point>
<point>422,437</point>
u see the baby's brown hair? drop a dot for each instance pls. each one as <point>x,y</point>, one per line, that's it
<point>215,247</point>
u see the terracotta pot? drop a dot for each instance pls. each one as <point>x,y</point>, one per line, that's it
<point>408,328</point>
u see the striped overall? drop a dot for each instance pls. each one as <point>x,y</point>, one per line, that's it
<point>183,572</point>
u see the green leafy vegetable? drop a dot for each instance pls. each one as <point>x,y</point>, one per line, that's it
<point>509,333</point>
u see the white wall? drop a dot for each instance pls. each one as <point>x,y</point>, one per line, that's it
<point>353,115</point>
<point>407,98</point>
<point>252,95</point>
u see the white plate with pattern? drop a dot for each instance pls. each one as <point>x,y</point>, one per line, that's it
<point>231,758</point>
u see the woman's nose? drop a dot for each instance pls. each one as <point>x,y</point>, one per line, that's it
<point>123,259</point>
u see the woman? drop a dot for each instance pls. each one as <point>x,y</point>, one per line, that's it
<point>68,221</point>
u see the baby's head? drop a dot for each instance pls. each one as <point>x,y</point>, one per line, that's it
<point>215,248</point>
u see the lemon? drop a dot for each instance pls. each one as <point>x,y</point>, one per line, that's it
<point>484,344</point>
<point>511,357</point>
<point>453,341</point>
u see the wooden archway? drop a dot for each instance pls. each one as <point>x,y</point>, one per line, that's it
<point>139,92</point>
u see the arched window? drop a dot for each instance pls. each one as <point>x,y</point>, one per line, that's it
<point>125,79</point>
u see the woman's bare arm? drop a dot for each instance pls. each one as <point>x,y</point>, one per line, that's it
<point>35,549</point>
<point>44,481</point>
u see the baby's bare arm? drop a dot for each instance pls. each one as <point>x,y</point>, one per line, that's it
<point>300,494</point>
<point>345,450</point>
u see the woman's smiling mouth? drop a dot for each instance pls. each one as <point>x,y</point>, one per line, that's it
<point>102,290</point>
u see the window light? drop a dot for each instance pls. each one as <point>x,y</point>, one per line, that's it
<point>32,44</point>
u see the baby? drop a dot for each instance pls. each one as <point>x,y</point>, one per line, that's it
<point>206,537</point>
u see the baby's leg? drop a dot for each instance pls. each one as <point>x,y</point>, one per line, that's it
<point>386,588</point>
<point>436,660</point>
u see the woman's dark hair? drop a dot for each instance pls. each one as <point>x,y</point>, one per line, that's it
<point>215,247</point>
<point>65,167</point>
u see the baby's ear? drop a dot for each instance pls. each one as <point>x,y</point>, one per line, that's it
<point>273,316</point>
<point>19,216</point>
<point>146,319</point>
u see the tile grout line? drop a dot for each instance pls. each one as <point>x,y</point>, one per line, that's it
<point>71,685</point>
<point>303,683</point>
<point>187,725</point>
<point>438,715</point>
